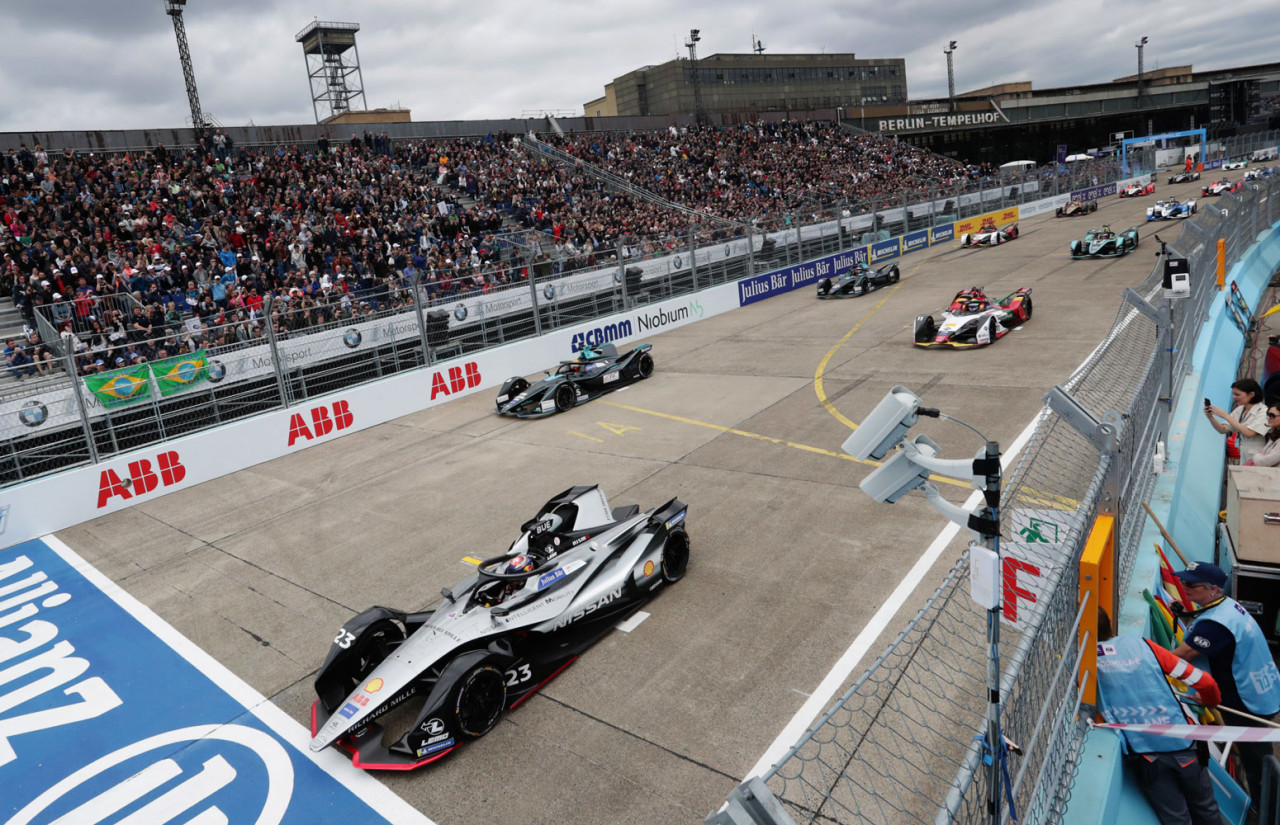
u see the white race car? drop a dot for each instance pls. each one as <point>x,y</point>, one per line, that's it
<point>990,235</point>
<point>1171,208</point>
<point>1217,187</point>
<point>1259,172</point>
<point>1240,163</point>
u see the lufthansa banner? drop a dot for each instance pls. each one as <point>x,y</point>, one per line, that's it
<point>1000,218</point>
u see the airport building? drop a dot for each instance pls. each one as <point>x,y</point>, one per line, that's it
<point>729,83</point>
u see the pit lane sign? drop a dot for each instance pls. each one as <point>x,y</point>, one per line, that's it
<point>108,715</point>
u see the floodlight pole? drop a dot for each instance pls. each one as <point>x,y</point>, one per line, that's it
<point>174,8</point>
<point>1140,45</point>
<point>699,116</point>
<point>951,75</point>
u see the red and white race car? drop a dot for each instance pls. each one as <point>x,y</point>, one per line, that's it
<point>990,235</point>
<point>1133,190</point>
<point>1217,187</point>
<point>973,319</point>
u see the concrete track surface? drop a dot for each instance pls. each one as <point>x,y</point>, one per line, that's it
<point>790,559</point>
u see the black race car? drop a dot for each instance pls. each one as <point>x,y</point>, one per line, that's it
<point>597,371</point>
<point>1184,177</point>
<point>577,569</point>
<point>859,280</point>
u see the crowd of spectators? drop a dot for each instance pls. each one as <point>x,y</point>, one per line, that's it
<point>143,255</point>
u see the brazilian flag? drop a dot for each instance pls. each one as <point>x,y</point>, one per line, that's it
<point>182,371</point>
<point>121,386</point>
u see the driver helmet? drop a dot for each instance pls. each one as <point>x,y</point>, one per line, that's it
<point>973,306</point>
<point>496,592</point>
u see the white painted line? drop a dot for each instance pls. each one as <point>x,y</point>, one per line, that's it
<point>633,622</point>
<point>839,674</point>
<point>376,795</point>
<point>871,633</point>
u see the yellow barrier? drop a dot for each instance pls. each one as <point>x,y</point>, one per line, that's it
<point>1222,263</point>
<point>1097,579</point>
<point>1000,218</point>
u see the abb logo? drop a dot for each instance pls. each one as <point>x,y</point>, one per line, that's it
<point>455,379</point>
<point>142,479</point>
<point>321,422</point>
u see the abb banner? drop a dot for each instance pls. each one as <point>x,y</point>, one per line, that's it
<point>141,477</point>
<point>322,423</point>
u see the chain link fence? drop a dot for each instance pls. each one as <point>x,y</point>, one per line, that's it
<point>901,745</point>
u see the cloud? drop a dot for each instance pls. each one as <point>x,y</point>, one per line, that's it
<point>85,64</point>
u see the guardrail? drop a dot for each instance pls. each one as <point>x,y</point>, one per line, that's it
<point>899,745</point>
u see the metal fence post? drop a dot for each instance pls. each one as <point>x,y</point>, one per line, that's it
<point>69,364</point>
<point>533,293</point>
<point>415,286</point>
<point>693,261</point>
<point>277,366</point>
<point>751,250</point>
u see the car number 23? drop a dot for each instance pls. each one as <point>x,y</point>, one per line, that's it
<point>518,675</point>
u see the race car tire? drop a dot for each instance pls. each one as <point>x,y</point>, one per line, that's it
<point>992,328</point>
<point>926,328</point>
<point>518,385</point>
<point>824,286</point>
<point>644,365</point>
<point>675,556</point>
<point>895,275</point>
<point>1093,206</point>
<point>480,698</point>
<point>565,397</point>
<point>369,650</point>
<point>1026,305</point>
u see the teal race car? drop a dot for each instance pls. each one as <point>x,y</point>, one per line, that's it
<point>1103,243</point>
<point>597,370</point>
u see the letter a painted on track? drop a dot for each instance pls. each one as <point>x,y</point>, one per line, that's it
<point>616,429</point>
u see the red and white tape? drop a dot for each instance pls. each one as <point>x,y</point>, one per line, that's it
<point>1202,733</point>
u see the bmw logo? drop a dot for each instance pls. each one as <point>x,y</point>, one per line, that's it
<point>215,371</point>
<point>728,250</point>
<point>460,312</point>
<point>549,292</point>
<point>679,262</point>
<point>33,414</point>
<point>352,338</point>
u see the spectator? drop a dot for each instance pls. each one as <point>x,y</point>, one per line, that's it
<point>1132,689</point>
<point>1238,658</point>
<point>15,355</point>
<point>1269,455</point>
<point>1246,421</point>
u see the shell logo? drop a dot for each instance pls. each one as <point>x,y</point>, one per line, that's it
<point>648,569</point>
<point>374,686</point>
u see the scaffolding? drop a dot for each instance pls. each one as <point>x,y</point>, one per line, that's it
<point>333,68</point>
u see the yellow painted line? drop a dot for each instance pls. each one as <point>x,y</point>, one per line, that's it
<point>818,386</point>
<point>588,437</point>
<point>469,560</point>
<point>758,437</point>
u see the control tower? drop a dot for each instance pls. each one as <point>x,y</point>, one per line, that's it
<point>333,68</point>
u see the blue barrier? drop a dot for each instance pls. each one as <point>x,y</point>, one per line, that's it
<point>1185,499</point>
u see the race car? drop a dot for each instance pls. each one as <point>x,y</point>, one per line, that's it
<point>597,371</point>
<point>1171,208</point>
<point>1133,190</point>
<point>973,320</point>
<point>1184,177</point>
<point>1239,163</point>
<point>990,235</point>
<point>577,569</point>
<point>1216,188</point>
<point>1103,243</point>
<point>1074,208</point>
<point>859,280</point>
<point>1259,172</point>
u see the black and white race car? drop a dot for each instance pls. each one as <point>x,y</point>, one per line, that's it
<point>990,235</point>
<point>577,569</point>
<point>1184,177</point>
<point>858,280</point>
<point>597,371</point>
<point>1238,163</point>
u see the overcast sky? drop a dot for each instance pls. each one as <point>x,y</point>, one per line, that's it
<point>113,64</point>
